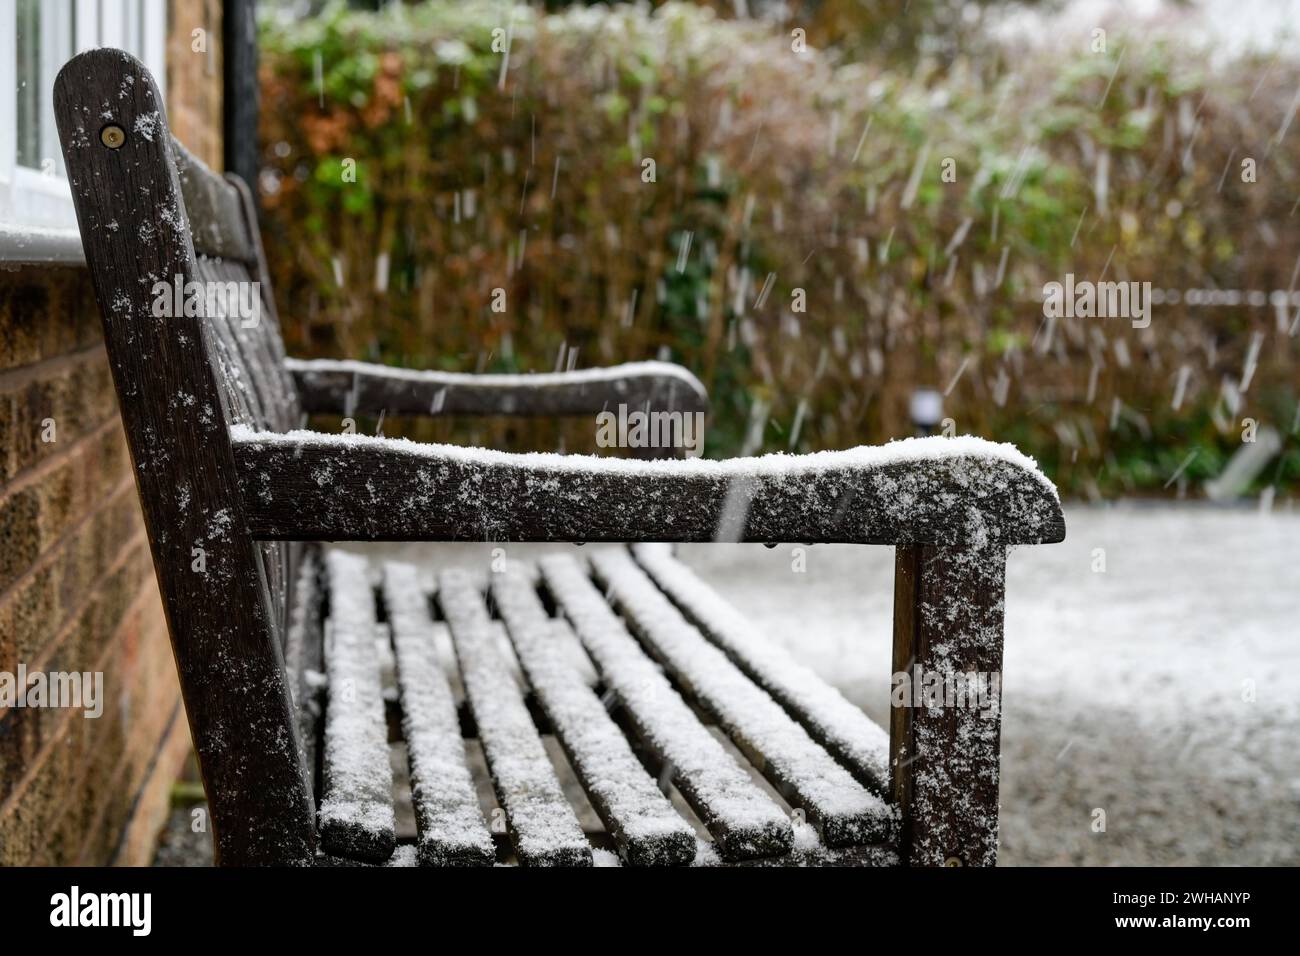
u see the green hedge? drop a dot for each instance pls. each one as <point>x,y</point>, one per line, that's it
<point>474,172</point>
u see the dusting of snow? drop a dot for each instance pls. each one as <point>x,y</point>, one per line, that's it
<point>628,370</point>
<point>40,244</point>
<point>146,124</point>
<point>404,856</point>
<point>844,811</point>
<point>852,737</point>
<point>637,815</point>
<point>706,854</point>
<point>451,827</point>
<point>543,825</point>
<point>928,490</point>
<point>743,820</point>
<point>906,451</point>
<point>356,811</point>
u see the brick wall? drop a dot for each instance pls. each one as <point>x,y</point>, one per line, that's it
<point>77,592</point>
<point>77,589</point>
<point>194,80</point>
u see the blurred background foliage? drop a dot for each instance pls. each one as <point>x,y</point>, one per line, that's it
<point>410,169</point>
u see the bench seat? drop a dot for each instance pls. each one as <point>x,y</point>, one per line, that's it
<point>568,712</point>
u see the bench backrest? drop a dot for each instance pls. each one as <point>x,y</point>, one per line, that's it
<point>160,230</point>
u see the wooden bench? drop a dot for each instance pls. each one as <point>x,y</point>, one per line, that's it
<point>613,671</point>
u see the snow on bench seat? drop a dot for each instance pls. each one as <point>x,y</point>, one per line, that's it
<point>356,809</point>
<point>543,825</point>
<point>447,816</point>
<point>743,820</point>
<point>844,730</point>
<point>640,819</point>
<point>843,811</point>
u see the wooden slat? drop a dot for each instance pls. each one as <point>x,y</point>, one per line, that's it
<point>543,826</point>
<point>251,399</point>
<point>304,655</point>
<point>243,404</point>
<point>447,815</point>
<point>248,368</point>
<point>861,496</point>
<point>743,820</point>
<point>290,413</point>
<point>237,398</point>
<point>356,809</point>
<point>853,738</point>
<point>214,208</point>
<point>247,350</point>
<point>645,828</point>
<point>843,811</point>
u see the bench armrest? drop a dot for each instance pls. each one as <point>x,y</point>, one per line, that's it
<point>347,387</point>
<point>312,486</point>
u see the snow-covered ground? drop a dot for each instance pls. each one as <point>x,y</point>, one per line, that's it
<point>1223,28</point>
<point>1164,690</point>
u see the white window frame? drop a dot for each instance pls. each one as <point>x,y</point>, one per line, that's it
<point>37,220</point>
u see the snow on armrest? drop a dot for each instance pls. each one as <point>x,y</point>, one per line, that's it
<point>313,486</point>
<point>346,387</point>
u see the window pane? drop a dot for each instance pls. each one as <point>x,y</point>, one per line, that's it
<point>131,26</point>
<point>44,42</point>
<point>29,83</point>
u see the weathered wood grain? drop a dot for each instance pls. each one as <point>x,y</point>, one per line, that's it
<point>135,231</point>
<point>215,210</point>
<point>365,489</point>
<point>304,654</point>
<point>348,388</point>
<point>289,406</point>
<point>948,617</point>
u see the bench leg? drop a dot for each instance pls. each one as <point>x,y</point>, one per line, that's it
<point>945,714</point>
